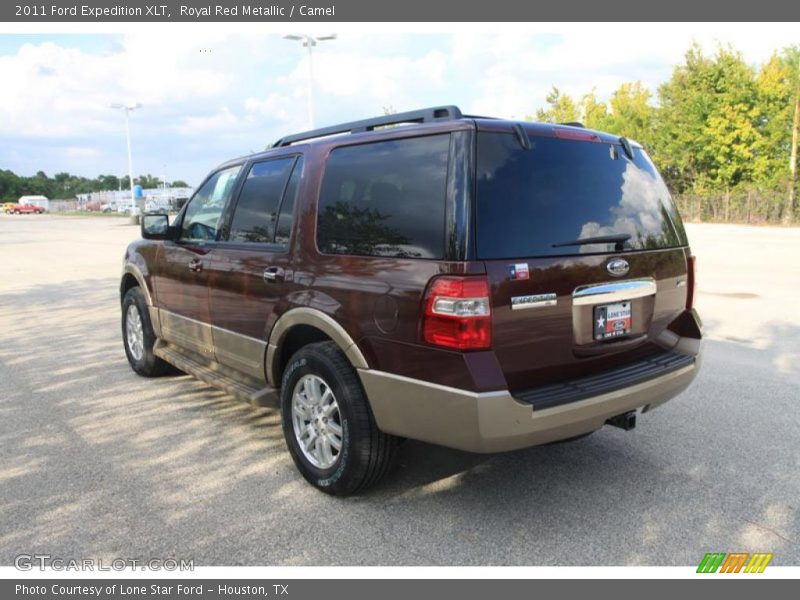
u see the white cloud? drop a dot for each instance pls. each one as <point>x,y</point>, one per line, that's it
<point>245,90</point>
<point>516,71</point>
<point>60,92</point>
<point>81,152</point>
<point>223,119</point>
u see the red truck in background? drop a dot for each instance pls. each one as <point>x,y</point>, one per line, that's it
<point>22,209</point>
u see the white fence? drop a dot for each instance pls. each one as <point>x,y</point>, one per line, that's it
<point>161,197</point>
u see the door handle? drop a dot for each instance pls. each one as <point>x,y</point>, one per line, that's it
<point>195,265</point>
<point>273,274</point>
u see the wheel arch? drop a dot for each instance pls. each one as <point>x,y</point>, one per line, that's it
<point>132,277</point>
<point>299,327</point>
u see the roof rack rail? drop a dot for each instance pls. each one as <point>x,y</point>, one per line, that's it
<point>574,124</point>
<point>424,115</point>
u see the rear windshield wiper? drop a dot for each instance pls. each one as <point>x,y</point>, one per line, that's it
<point>618,239</point>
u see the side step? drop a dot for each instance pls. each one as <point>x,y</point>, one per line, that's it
<point>218,376</point>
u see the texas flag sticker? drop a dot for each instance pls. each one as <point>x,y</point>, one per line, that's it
<point>519,271</point>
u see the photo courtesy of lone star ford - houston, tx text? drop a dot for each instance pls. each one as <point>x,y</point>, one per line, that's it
<point>297,298</point>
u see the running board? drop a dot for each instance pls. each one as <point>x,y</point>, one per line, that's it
<point>219,376</point>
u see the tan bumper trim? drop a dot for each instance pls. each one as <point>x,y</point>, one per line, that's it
<point>495,421</point>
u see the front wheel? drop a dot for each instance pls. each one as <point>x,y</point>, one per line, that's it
<point>328,424</point>
<point>138,336</point>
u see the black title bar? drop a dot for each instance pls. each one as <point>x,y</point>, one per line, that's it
<point>440,11</point>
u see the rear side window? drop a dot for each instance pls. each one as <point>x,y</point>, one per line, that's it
<point>285,216</point>
<point>385,199</point>
<point>531,202</point>
<point>257,210</point>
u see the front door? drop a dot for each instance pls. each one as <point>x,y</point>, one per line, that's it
<point>180,276</point>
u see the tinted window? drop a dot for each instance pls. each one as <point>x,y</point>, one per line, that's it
<point>385,199</point>
<point>564,190</point>
<point>202,217</point>
<point>257,209</point>
<point>285,218</point>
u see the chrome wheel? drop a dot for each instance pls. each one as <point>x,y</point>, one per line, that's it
<point>316,421</point>
<point>134,332</point>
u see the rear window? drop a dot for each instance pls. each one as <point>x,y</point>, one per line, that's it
<point>530,201</point>
<point>257,209</point>
<point>385,199</point>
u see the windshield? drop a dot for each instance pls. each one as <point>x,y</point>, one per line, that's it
<point>544,201</point>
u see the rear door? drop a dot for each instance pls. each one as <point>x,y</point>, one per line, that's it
<point>563,308</point>
<point>250,270</point>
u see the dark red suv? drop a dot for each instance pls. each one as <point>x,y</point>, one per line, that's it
<point>472,282</point>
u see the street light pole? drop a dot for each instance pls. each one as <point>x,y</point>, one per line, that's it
<point>128,108</point>
<point>309,41</point>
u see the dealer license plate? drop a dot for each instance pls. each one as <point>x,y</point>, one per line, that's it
<point>612,320</point>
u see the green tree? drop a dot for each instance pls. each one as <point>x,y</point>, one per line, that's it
<point>631,113</point>
<point>595,112</point>
<point>108,182</point>
<point>707,122</point>
<point>148,181</point>
<point>562,108</point>
<point>10,186</point>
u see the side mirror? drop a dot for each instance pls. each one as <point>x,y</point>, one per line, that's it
<point>155,226</point>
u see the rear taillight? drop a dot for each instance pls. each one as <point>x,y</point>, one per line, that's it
<point>691,267</point>
<point>457,313</point>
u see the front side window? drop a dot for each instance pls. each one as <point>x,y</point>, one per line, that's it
<point>256,213</point>
<point>385,199</point>
<point>202,218</point>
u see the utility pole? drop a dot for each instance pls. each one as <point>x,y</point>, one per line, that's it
<point>131,106</point>
<point>309,41</point>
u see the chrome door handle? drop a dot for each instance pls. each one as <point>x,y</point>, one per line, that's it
<point>195,265</point>
<point>273,274</point>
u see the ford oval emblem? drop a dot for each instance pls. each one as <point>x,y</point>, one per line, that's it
<point>618,267</point>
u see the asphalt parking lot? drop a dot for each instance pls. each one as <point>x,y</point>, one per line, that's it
<point>97,462</point>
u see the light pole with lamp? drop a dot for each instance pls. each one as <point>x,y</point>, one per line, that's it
<point>130,106</point>
<point>309,41</point>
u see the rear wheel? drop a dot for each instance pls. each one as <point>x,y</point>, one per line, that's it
<point>328,424</point>
<point>138,336</point>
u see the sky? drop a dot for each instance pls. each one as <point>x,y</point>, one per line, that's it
<point>210,95</point>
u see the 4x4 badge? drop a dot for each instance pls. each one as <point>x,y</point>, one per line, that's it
<point>618,267</point>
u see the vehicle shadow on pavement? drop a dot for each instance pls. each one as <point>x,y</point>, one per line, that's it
<point>99,462</point>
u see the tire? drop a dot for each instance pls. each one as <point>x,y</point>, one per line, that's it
<point>365,453</point>
<point>139,348</point>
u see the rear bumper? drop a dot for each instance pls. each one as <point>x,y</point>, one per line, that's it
<point>496,421</point>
